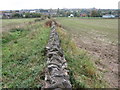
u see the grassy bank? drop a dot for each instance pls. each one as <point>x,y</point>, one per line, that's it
<point>83,72</point>
<point>22,56</point>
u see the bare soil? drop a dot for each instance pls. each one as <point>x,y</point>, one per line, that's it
<point>106,57</point>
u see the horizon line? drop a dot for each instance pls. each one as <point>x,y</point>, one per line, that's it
<point>57,8</point>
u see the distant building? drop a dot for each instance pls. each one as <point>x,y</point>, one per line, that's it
<point>71,15</point>
<point>83,15</point>
<point>6,15</point>
<point>108,16</point>
<point>45,12</point>
<point>33,11</point>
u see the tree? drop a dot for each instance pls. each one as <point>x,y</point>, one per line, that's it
<point>16,15</point>
<point>58,11</point>
<point>68,13</point>
<point>76,14</point>
<point>95,13</point>
<point>27,15</point>
<point>110,12</point>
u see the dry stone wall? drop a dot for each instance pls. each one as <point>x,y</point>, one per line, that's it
<point>56,76</point>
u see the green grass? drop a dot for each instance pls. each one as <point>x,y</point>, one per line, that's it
<point>83,72</point>
<point>23,56</point>
<point>8,24</point>
<point>103,30</point>
<point>14,34</point>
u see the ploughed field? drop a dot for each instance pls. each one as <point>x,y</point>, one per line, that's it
<point>99,37</point>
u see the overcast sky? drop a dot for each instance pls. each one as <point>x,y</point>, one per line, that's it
<point>47,4</point>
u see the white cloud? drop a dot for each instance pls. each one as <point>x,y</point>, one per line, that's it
<point>36,4</point>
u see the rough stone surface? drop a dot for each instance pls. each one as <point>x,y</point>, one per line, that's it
<point>56,76</point>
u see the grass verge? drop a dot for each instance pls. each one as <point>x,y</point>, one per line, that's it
<point>83,72</point>
<point>22,56</point>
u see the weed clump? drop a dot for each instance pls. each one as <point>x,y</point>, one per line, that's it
<point>14,34</point>
<point>49,23</point>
